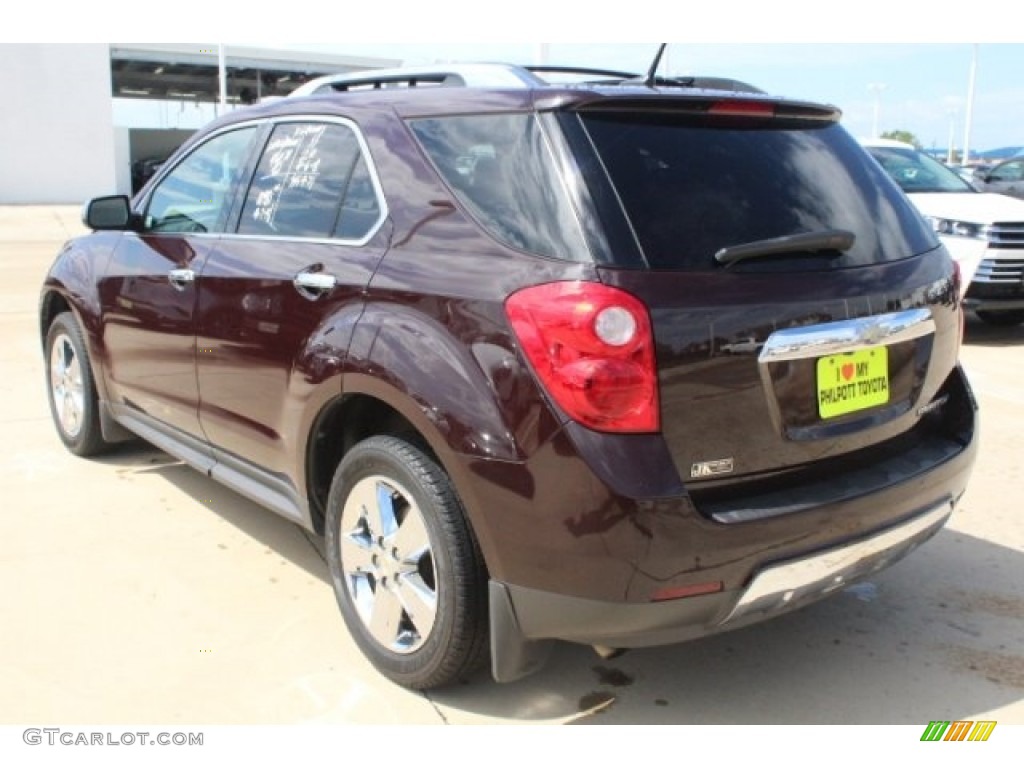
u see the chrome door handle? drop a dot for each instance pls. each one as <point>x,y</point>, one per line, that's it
<point>313,285</point>
<point>181,278</point>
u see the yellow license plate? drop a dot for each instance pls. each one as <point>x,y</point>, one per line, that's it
<point>853,381</point>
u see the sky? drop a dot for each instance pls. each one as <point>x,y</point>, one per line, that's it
<point>830,52</point>
<point>925,85</point>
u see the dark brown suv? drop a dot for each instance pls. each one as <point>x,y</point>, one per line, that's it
<point>620,363</point>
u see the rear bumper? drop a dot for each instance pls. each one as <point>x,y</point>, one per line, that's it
<point>766,565</point>
<point>524,620</point>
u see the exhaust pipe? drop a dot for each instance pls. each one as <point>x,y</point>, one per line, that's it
<point>607,653</point>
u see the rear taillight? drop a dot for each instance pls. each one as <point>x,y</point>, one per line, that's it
<point>592,347</point>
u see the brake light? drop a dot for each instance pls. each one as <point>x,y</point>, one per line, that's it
<point>592,348</point>
<point>743,108</point>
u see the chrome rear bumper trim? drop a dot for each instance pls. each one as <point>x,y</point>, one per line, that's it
<point>779,586</point>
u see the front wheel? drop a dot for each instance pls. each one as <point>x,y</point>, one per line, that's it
<point>71,388</point>
<point>1003,318</point>
<point>406,569</point>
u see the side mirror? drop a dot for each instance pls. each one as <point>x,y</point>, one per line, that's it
<point>112,212</point>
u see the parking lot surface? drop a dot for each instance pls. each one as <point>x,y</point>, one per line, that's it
<point>135,590</point>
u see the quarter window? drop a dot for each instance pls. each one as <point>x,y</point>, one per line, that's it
<point>501,170</point>
<point>312,181</point>
<point>194,197</point>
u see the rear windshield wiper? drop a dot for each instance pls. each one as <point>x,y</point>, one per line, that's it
<point>835,240</point>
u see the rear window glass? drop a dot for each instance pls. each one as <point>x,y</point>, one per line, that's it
<point>503,174</point>
<point>690,188</point>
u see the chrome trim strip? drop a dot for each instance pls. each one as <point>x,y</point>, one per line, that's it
<point>1006,270</point>
<point>847,335</point>
<point>781,584</point>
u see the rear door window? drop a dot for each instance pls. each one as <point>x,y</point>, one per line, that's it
<point>313,180</point>
<point>690,187</point>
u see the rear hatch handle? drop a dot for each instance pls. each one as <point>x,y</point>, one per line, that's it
<point>838,241</point>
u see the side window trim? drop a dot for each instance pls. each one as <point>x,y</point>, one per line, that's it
<point>364,154</point>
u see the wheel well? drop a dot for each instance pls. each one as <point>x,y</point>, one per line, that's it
<point>52,305</point>
<point>350,419</point>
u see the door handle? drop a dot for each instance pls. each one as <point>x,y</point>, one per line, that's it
<point>313,285</point>
<point>181,278</point>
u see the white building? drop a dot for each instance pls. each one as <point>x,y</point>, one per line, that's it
<point>75,117</point>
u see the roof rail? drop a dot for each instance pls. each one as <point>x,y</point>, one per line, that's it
<point>494,76</point>
<point>459,75</point>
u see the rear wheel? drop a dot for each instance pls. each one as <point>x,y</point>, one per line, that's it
<point>71,388</point>
<point>407,571</point>
<point>1003,319</point>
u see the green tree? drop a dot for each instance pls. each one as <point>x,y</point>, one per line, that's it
<point>905,136</point>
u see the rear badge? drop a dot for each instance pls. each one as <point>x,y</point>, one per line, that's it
<point>711,468</point>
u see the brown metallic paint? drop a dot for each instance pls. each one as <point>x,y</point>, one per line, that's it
<point>148,326</point>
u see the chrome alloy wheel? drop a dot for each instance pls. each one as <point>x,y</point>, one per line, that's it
<point>388,564</point>
<point>66,386</point>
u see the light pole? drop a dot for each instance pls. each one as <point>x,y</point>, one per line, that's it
<point>876,88</point>
<point>969,116</point>
<point>952,127</point>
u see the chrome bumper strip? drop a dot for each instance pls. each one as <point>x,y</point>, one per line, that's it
<point>777,587</point>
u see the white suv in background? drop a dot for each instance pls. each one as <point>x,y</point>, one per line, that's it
<point>984,232</point>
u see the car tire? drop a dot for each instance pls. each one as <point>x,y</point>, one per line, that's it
<point>1002,319</point>
<point>71,388</point>
<point>406,568</point>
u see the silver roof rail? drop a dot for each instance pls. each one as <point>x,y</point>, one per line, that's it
<point>459,75</point>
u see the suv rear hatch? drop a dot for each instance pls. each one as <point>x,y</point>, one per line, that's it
<point>773,361</point>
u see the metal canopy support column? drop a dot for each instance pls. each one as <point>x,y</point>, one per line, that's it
<point>222,74</point>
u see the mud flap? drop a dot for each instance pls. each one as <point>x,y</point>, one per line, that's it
<point>512,655</point>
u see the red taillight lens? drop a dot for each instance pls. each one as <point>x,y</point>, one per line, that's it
<point>593,350</point>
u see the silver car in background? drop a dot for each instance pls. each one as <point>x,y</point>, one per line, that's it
<point>1005,178</point>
